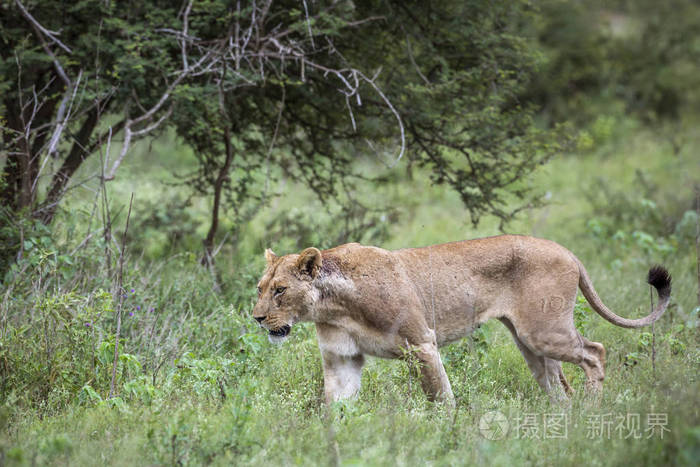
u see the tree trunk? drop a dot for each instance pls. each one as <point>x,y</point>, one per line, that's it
<point>10,179</point>
<point>78,153</point>
<point>208,258</point>
<point>23,161</point>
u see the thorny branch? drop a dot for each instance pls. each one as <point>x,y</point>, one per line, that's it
<point>252,50</point>
<point>256,48</point>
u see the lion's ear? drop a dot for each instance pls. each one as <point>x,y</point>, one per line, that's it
<point>309,262</point>
<point>270,256</point>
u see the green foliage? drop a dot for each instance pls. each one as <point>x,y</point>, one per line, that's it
<point>452,72</point>
<point>198,383</point>
<point>166,225</point>
<point>353,223</point>
<point>655,221</point>
<point>58,347</point>
<point>24,241</point>
<point>582,314</point>
<point>443,81</point>
<point>50,355</point>
<point>603,57</point>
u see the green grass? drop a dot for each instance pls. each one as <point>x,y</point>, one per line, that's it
<point>223,395</point>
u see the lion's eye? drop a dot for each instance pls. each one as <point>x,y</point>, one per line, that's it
<point>259,291</point>
<point>280,290</point>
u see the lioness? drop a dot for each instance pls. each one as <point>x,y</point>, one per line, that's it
<point>366,300</point>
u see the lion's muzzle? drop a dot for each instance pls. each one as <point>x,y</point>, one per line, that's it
<point>281,332</point>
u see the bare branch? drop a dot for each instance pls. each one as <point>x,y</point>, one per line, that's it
<point>365,20</point>
<point>308,25</point>
<point>122,154</point>
<point>155,125</point>
<point>352,116</point>
<point>185,27</point>
<point>413,61</point>
<point>120,301</point>
<point>41,29</point>
<point>129,133</point>
<point>394,111</point>
<point>61,119</point>
<point>166,95</point>
<point>40,32</point>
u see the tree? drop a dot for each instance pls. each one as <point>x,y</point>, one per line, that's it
<point>285,84</point>
<point>639,54</point>
<point>72,77</point>
<point>131,66</point>
<point>440,83</point>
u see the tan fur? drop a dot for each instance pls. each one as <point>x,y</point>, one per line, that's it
<point>369,301</point>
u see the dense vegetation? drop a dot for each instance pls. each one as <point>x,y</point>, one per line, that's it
<point>570,121</point>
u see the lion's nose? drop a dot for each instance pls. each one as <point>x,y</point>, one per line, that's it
<point>259,319</point>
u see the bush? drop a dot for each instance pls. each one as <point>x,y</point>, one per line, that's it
<point>654,221</point>
<point>58,330</point>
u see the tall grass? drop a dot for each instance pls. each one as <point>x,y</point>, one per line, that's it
<point>198,382</point>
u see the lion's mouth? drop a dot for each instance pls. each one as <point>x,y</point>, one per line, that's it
<point>281,332</point>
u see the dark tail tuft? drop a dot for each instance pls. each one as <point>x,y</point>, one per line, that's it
<point>660,278</point>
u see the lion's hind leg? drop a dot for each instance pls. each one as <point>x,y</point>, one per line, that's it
<point>593,364</point>
<point>559,340</point>
<point>434,379</point>
<point>547,372</point>
<point>565,384</point>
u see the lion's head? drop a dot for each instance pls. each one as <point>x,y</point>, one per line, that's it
<point>286,293</point>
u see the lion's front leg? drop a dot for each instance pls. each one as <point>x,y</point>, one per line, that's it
<point>342,362</point>
<point>341,375</point>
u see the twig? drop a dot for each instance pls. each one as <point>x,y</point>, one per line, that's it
<point>410,371</point>
<point>63,116</point>
<point>185,20</point>
<point>352,115</point>
<point>153,126</point>
<point>308,26</point>
<point>120,292</point>
<point>129,133</point>
<point>274,140</point>
<point>413,61</point>
<point>394,111</point>
<point>87,237</point>
<point>221,245</point>
<point>106,214</point>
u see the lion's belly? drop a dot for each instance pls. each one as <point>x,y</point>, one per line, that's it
<point>454,325</point>
<point>347,338</point>
<point>452,311</point>
<point>386,348</point>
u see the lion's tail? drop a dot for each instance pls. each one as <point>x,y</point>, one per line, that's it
<point>658,277</point>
